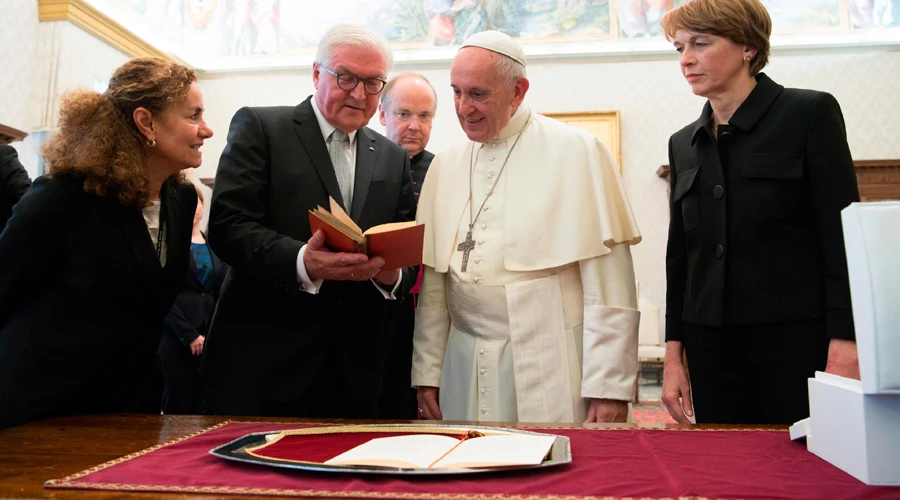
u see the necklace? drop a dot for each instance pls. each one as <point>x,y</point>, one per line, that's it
<point>469,244</point>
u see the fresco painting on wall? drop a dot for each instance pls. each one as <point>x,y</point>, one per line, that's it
<point>212,27</point>
<point>228,28</point>
<point>874,13</point>
<point>640,18</point>
<point>416,23</point>
<point>805,15</point>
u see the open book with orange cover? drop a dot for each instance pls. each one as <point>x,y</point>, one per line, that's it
<point>398,243</point>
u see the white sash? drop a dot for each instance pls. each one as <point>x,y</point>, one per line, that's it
<point>530,314</point>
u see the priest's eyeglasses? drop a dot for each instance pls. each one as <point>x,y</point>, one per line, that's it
<point>406,117</point>
<point>349,81</point>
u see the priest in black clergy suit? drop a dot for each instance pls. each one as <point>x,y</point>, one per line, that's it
<point>301,331</point>
<point>408,105</point>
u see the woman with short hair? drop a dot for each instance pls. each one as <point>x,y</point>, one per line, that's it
<point>757,293</point>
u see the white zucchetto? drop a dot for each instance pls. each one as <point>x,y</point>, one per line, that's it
<point>498,42</point>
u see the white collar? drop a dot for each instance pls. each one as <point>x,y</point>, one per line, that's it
<point>516,124</point>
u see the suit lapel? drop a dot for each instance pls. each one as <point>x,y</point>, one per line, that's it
<point>366,155</point>
<point>310,135</point>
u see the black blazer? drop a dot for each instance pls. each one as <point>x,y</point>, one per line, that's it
<point>755,234</point>
<point>268,338</point>
<point>14,182</point>
<point>83,297</point>
<point>193,308</point>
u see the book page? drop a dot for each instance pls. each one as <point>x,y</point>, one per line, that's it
<point>338,224</point>
<point>496,451</point>
<point>391,226</point>
<point>417,450</point>
<point>342,216</point>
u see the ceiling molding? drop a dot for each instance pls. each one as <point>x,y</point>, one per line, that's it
<point>89,18</point>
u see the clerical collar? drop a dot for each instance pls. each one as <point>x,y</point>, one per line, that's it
<point>518,121</point>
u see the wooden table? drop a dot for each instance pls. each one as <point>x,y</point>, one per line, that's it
<point>33,453</point>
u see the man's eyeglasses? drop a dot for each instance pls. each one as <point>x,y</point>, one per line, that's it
<point>349,81</point>
<point>406,117</point>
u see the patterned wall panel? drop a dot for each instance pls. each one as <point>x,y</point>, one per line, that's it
<point>19,39</point>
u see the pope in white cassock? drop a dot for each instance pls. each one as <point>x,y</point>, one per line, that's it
<point>528,309</point>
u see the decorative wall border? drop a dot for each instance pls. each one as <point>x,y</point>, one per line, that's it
<point>89,18</point>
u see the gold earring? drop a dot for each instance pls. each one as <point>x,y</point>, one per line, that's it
<point>151,143</point>
<point>747,59</point>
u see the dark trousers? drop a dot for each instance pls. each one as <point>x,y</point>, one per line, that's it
<point>183,392</point>
<point>755,374</point>
<point>328,396</point>
<point>398,398</point>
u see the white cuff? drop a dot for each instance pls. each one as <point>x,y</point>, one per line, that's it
<point>303,282</point>
<point>610,352</point>
<point>389,295</point>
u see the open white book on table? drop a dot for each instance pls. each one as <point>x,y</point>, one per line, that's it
<point>432,451</point>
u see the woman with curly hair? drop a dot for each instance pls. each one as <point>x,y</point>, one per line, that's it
<point>95,253</point>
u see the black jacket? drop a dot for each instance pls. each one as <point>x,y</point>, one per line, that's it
<point>193,308</point>
<point>268,338</point>
<point>83,297</point>
<point>14,182</point>
<point>755,234</point>
<point>418,168</point>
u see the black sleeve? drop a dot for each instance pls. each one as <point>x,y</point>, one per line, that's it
<point>832,187</point>
<point>178,323</point>
<point>14,182</point>
<point>32,240</point>
<point>676,259</point>
<point>240,206</point>
<point>406,211</point>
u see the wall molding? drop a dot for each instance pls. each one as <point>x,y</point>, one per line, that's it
<point>89,18</point>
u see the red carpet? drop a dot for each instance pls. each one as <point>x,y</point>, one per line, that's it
<point>654,412</point>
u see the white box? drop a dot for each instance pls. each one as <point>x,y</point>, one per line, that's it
<point>872,240</point>
<point>858,433</point>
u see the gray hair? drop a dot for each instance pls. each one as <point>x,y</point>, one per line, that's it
<point>387,93</point>
<point>352,35</point>
<point>509,69</point>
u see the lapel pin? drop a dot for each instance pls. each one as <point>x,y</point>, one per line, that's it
<point>371,148</point>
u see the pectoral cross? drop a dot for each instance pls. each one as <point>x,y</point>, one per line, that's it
<point>466,247</point>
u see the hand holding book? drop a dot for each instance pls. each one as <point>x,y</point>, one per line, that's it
<point>322,263</point>
<point>398,243</point>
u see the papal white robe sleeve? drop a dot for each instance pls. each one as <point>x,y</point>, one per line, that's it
<point>546,313</point>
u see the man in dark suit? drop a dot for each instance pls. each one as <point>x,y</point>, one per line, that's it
<point>14,182</point>
<point>299,330</point>
<point>408,105</point>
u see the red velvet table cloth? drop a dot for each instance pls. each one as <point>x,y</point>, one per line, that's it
<point>606,463</point>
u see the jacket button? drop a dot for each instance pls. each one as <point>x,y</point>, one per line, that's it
<point>718,192</point>
<point>720,251</point>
